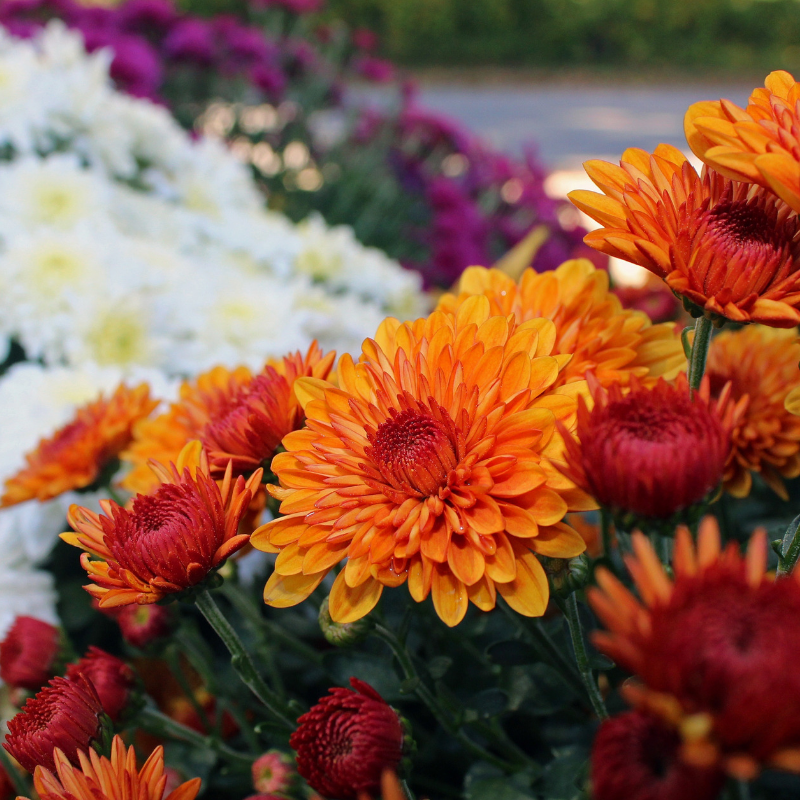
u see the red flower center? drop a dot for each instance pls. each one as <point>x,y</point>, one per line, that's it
<point>720,645</point>
<point>172,535</point>
<point>750,237</point>
<point>414,451</point>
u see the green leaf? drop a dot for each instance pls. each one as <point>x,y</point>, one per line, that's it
<point>564,777</point>
<point>438,666</point>
<point>489,702</point>
<point>484,782</point>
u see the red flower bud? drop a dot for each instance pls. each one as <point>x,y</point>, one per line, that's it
<point>141,625</point>
<point>28,653</point>
<point>347,740</point>
<point>66,714</point>
<point>636,757</point>
<point>112,679</point>
<point>648,452</point>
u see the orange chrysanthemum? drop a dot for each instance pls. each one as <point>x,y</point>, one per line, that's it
<point>431,465</point>
<point>163,437</point>
<point>759,144</point>
<point>247,430</point>
<point>235,414</point>
<point>100,778</point>
<point>74,457</point>
<point>731,249</point>
<point>709,647</point>
<point>592,327</point>
<point>169,541</point>
<point>761,365</point>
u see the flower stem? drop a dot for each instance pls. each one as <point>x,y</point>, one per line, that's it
<point>581,657</point>
<point>406,790</point>
<point>158,724</point>
<point>20,784</point>
<point>240,659</point>
<point>697,363</point>
<point>430,700</point>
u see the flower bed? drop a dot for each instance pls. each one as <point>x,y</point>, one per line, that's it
<point>515,547</point>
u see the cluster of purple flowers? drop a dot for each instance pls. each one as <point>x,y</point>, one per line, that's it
<point>477,203</point>
<point>151,39</point>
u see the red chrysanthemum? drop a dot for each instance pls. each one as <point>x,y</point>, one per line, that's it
<point>113,680</point>
<point>648,452</point>
<point>247,430</point>
<point>636,757</point>
<point>169,541</point>
<point>710,647</point>
<point>141,625</point>
<point>346,741</point>
<point>66,714</point>
<point>28,653</point>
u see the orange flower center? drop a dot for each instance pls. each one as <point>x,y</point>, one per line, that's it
<point>414,451</point>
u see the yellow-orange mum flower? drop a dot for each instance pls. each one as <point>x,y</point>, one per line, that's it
<point>168,541</point>
<point>100,778</point>
<point>75,455</point>
<point>708,647</point>
<point>732,249</point>
<point>431,465</point>
<point>761,365</point>
<point>236,415</point>
<point>759,144</point>
<point>162,438</point>
<point>592,327</point>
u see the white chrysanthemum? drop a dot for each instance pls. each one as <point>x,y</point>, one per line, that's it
<point>334,257</point>
<point>124,242</point>
<point>26,592</point>
<point>54,191</point>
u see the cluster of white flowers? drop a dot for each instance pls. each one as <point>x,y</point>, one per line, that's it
<point>124,242</point>
<point>129,250</point>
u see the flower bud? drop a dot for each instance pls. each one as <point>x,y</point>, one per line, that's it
<point>273,772</point>
<point>346,741</point>
<point>567,575</point>
<point>342,634</point>
<point>66,714</point>
<point>113,680</point>
<point>29,653</point>
<point>141,625</point>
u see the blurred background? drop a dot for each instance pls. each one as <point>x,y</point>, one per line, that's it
<point>444,132</point>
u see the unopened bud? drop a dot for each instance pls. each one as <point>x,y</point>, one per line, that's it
<point>342,634</point>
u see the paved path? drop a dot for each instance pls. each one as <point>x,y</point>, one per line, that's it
<point>570,123</point>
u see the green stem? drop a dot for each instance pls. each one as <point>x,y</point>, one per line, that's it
<point>20,784</point>
<point>790,549</point>
<point>581,657</point>
<point>240,660</point>
<point>430,700</point>
<point>158,724</point>
<point>697,363</point>
<point>407,790</point>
